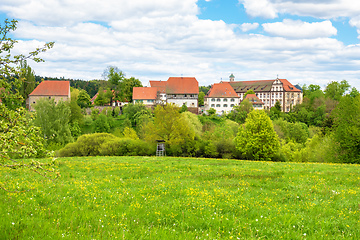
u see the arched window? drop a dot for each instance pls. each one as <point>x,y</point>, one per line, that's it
<point>213,99</point>
<point>225,99</point>
<point>232,100</point>
<point>225,105</point>
<point>217,105</point>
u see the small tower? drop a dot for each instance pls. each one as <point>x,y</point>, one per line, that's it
<point>232,77</point>
<point>160,148</point>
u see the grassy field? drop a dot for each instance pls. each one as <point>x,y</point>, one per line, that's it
<point>183,198</point>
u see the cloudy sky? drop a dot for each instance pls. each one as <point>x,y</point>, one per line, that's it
<point>304,41</point>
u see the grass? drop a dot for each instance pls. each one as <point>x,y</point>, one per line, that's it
<point>183,198</point>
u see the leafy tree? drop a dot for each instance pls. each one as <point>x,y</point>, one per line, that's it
<point>27,77</point>
<point>211,111</point>
<point>10,82</point>
<point>249,92</point>
<point>102,124</point>
<point>204,89</point>
<point>18,137</point>
<point>275,111</point>
<point>130,133</point>
<point>101,98</point>
<point>239,113</point>
<point>170,126</point>
<point>347,129</point>
<point>53,119</point>
<point>354,92</point>
<point>83,99</point>
<point>127,86</point>
<point>257,138</point>
<point>201,98</point>
<point>135,112</point>
<point>75,113</point>
<point>183,108</point>
<point>335,90</point>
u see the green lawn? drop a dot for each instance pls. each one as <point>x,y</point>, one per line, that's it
<point>183,198</point>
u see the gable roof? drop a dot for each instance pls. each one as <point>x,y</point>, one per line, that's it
<point>160,85</point>
<point>253,99</point>
<point>182,85</point>
<point>288,86</point>
<point>141,93</point>
<point>221,90</point>
<point>52,88</point>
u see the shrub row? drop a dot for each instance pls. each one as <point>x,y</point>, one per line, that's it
<point>105,144</point>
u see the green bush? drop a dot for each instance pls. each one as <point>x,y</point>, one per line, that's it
<point>108,145</point>
<point>86,145</point>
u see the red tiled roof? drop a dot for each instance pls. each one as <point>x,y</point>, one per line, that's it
<point>140,93</point>
<point>253,99</point>
<point>52,88</point>
<point>288,86</point>
<point>221,90</point>
<point>182,85</point>
<point>160,85</point>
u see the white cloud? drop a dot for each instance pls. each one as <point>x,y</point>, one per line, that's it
<point>298,29</point>
<point>259,8</point>
<point>168,39</point>
<point>245,27</point>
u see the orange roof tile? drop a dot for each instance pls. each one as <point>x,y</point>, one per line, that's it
<point>182,85</point>
<point>221,90</point>
<point>253,99</point>
<point>140,93</point>
<point>52,88</point>
<point>160,85</point>
<point>288,86</point>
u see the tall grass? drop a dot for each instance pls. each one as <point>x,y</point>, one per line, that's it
<point>183,198</point>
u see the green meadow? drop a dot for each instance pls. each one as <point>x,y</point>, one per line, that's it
<point>182,198</point>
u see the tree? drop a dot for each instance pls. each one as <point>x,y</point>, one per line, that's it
<point>126,86</point>
<point>201,98</point>
<point>53,119</point>
<point>335,90</point>
<point>249,92</point>
<point>18,137</point>
<point>257,139</point>
<point>83,99</point>
<point>9,66</point>
<point>101,98</point>
<point>170,126</point>
<point>27,77</point>
<point>135,112</point>
<point>347,129</point>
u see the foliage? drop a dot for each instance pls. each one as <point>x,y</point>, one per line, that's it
<point>257,138</point>
<point>27,76</point>
<point>130,133</point>
<point>18,136</point>
<point>53,119</point>
<point>101,124</point>
<point>11,84</point>
<point>335,90</point>
<point>347,129</point>
<point>83,99</point>
<point>136,113</point>
<point>86,145</point>
<point>249,92</point>
<point>194,122</point>
<point>170,126</point>
<point>183,108</point>
<point>201,98</point>
<point>102,98</point>
<point>211,111</point>
<point>239,113</point>
<point>297,132</point>
<point>75,113</point>
<point>127,86</point>
<point>106,144</point>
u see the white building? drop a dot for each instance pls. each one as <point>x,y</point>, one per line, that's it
<point>221,97</point>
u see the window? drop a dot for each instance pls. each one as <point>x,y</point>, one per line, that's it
<point>213,99</point>
<point>185,95</point>
<point>212,105</point>
<point>232,100</point>
<point>191,95</point>
<point>225,105</point>
<point>280,95</point>
<point>49,97</point>
<point>217,105</point>
<point>218,100</point>
<point>225,100</point>
<point>231,105</point>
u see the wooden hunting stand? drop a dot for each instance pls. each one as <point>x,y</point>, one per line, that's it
<point>160,148</point>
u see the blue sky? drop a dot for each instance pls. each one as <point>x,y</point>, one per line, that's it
<point>306,42</point>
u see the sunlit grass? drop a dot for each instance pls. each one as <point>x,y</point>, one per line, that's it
<point>183,198</point>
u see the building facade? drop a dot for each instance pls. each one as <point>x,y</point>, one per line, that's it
<point>270,91</point>
<point>221,97</point>
<point>57,90</point>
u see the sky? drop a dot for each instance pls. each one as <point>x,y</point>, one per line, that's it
<point>304,41</point>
